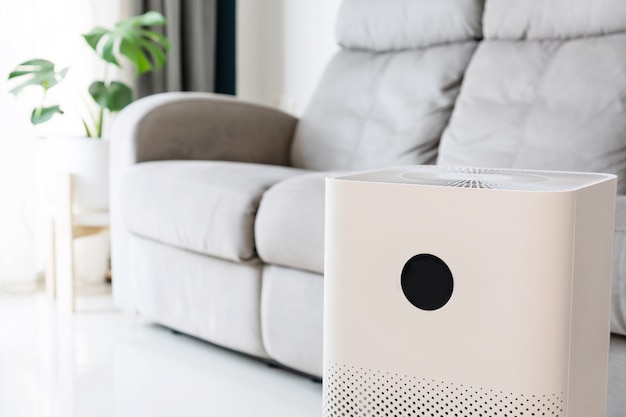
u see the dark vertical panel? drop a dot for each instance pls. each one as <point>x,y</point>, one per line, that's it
<point>225,48</point>
<point>191,29</point>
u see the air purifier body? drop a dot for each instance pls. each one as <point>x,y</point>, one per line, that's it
<point>467,292</point>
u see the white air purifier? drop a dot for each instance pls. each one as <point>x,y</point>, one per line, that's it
<point>458,292</point>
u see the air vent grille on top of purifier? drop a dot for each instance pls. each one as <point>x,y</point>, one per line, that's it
<point>477,178</point>
<point>351,391</point>
<point>481,178</point>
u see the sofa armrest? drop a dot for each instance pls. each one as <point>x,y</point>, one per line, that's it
<point>202,126</point>
<point>175,126</point>
<point>618,301</point>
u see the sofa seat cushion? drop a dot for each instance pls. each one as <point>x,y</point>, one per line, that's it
<point>290,223</point>
<point>292,310</point>
<point>202,206</point>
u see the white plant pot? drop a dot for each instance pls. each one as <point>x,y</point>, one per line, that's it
<point>87,159</point>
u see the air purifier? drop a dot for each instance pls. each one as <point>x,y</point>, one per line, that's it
<point>456,292</point>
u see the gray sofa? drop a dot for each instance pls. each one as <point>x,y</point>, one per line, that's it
<point>217,205</point>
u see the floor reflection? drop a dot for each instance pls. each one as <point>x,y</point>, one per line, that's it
<point>104,363</point>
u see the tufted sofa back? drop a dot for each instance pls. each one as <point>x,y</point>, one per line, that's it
<point>387,95</point>
<point>546,89</point>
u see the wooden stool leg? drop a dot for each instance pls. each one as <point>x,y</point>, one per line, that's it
<point>50,260</point>
<point>64,237</point>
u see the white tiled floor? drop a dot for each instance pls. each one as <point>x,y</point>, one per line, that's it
<point>101,362</point>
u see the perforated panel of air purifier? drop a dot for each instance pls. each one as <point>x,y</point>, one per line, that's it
<point>351,391</point>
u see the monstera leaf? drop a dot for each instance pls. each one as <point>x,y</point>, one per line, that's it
<point>42,73</point>
<point>114,96</point>
<point>43,114</point>
<point>39,72</point>
<point>145,48</point>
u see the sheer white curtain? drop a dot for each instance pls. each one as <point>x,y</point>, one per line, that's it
<point>38,29</point>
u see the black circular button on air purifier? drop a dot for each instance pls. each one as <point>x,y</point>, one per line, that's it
<point>427,282</point>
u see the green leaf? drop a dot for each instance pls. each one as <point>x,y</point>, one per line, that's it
<point>34,65</point>
<point>119,96</point>
<point>38,62</point>
<point>17,73</point>
<point>107,52</point>
<point>157,38</point>
<point>98,91</point>
<point>144,48</point>
<point>137,56</point>
<point>150,18</point>
<point>93,37</point>
<point>156,53</point>
<point>39,72</point>
<point>43,114</point>
<point>113,97</point>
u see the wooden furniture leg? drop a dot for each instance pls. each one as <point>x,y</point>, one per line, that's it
<point>50,272</point>
<point>63,247</point>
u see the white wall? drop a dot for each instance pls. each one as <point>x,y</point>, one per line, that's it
<point>309,44</point>
<point>260,50</point>
<point>282,48</point>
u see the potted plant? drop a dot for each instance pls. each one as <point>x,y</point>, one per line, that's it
<point>87,157</point>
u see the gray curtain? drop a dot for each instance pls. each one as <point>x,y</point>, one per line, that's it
<point>191,28</point>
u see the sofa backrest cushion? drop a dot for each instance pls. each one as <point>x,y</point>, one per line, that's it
<point>387,95</point>
<point>387,25</point>
<point>553,19</point>
<point>546,89</point>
